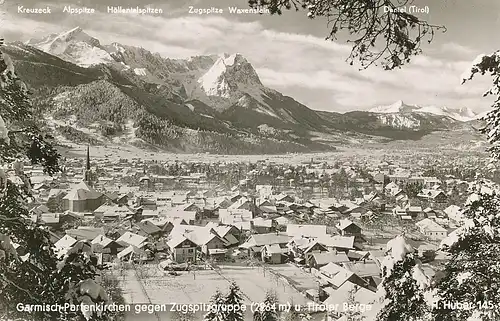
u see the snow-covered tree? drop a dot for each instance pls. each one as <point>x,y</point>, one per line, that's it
<point>489,64</point>
<point>268,311</point>
<point>355,314</point>
<point>30,271</point>
<point>216,312</point>
<point>234,301</point>
<point>404,283</point>
<point>471,277</point>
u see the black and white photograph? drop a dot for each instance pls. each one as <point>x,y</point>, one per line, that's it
<point>260,160</point>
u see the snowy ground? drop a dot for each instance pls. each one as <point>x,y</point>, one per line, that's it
<point>122,148</point>
<point>157,287</point>
<point>199,286</point>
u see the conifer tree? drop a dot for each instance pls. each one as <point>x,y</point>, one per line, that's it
<point>355,314</point>
<point>30,271</point>
<point>472,274</point>
<point>268,311</point>
<point>216,312</point>
<point>234,303</point>
<point>404,283</point>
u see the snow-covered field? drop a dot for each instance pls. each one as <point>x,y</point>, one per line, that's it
<point>199,286</point>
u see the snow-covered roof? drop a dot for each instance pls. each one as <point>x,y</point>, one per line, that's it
<point>345,223</point>
<point>65,243</point>
<point>306,230</point>
<point>330,257</point>
<point>269,238</point>
<point>102,240</point>
<point>337,241</point>
<point>429,225</point>
<point>335,274</point>
<point>132,239</point>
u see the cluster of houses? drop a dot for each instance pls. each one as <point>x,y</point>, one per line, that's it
<point>131,223</point>
<point>186,225</point>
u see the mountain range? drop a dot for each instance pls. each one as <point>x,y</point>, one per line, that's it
<point>101,94</point>
<point>463,114</point>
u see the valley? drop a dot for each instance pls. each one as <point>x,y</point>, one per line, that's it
<point>102,95</point>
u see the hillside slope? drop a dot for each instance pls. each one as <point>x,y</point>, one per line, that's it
<point>102,94</point>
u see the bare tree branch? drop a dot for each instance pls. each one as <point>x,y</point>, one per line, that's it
<point>381,30</point>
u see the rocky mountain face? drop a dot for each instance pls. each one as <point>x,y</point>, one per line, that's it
<point>98,93</point>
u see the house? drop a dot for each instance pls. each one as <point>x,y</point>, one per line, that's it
<point>432,230</point>
<point>129,238</point>
<point>64,243</point>
<point>191,217</point>
<point>414,211</point>
<point>369,271</point>
<point>265,206</point>
<point>131,253</point>
<point>256,242</point>
<point>190,207</point>
<point>149,229</point>
<point>437,196</point>
<point>242,203</point>
<point>391,186</point>
<point>321,259</point>
<point>230,234</point>
<point>307,252</point>
<point>303,248</point>
<point>112,211</point>
<point>398,211</point>
<point>282,197</point>
<point>230,216</point>
<point>430,213</point>
<point>298,230</point>
<point>182,249</point>
<point>165,225</point>
<point>336,276</point>
<point>262,226</point>
<point>273,254</point>
<point>205,237</point>
<point>282,221</point>
<point>338,242</point>
<point>50,219</point>
<point>107,247</point>
<point>357,211</point>
<point>85,233</point>
<point>264,190</point>
<point>348,228</point>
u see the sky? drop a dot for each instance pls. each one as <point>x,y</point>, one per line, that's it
<point>289,52</point>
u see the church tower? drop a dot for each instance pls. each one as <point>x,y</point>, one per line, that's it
<point>87,173</point>
<point>88,158</point>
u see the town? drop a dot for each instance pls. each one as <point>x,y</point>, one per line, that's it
<point>174,231</point>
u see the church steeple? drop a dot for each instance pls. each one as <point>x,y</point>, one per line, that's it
<point>87,167</point>
<point>87,172</point>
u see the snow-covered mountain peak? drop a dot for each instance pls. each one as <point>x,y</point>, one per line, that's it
<point>118,47</point>
<point>229,76</point>
<point>467,112</point>
<point>393,108</point>
<point>461,114</point>
<point>74,46</point>
<point>73,34</point>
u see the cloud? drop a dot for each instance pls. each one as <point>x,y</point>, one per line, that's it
<point>455,48</point>
<point>303,66</point>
